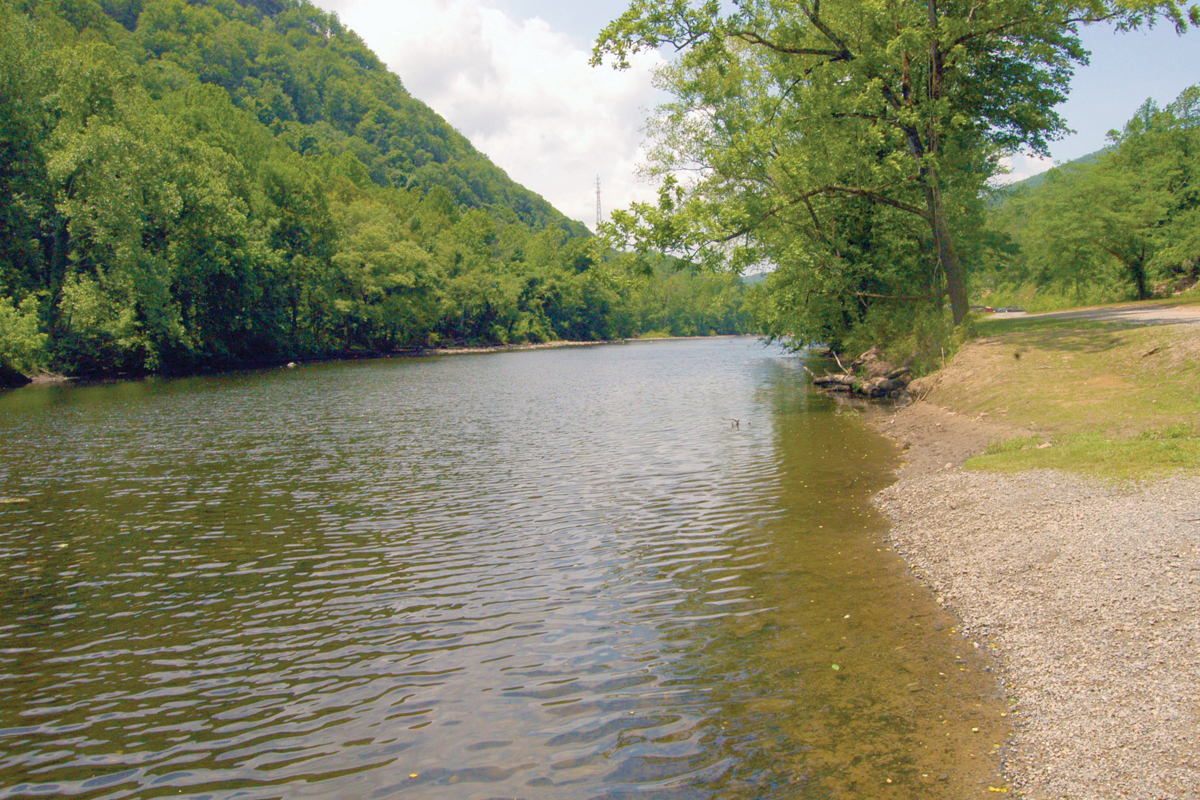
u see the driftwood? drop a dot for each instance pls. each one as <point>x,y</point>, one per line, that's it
<point>869,375</point>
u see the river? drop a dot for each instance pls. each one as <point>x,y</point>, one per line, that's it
<point>549,574</point>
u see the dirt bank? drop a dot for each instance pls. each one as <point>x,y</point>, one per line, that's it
<point>1088,592</point>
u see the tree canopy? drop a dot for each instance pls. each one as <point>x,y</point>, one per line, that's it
<point>848,142</point>
<point>1120,226</point>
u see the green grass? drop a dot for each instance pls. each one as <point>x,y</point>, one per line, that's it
<point>1043,301</point>
<point>1113,401</point>
<point>1115,459</point>
<point>995,326</point>
<point>1013,445</point>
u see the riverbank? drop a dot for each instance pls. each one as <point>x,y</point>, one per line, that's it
<point>510,348</point>
<point>46,378</point>
<point>1085,588</point>
<point>506,348</point>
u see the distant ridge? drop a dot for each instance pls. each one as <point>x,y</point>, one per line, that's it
<point>1000,194</point>
<point>323,92</point>
<point>1034,181</point>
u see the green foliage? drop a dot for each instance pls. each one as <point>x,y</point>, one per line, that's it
<point>191,185</point>
<point>1125,226</point>
<point>22,344</point>
<point>847,144</point>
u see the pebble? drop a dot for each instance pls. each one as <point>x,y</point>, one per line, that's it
<point>1073,585</point>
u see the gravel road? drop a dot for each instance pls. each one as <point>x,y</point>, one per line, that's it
<point>1138,315</point>
<point>1087,593</point>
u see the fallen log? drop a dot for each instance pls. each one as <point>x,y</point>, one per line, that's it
<point>878,378</point>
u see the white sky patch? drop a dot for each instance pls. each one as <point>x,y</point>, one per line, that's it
<point>523,93</point>
<point>1022,166</point>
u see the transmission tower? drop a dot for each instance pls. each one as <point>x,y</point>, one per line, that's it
<point>597,202</point>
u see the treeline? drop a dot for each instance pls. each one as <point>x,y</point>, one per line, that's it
<point>1124,226</point>
<point>185,186</point>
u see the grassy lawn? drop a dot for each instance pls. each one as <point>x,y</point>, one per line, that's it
<point>1116,401</point>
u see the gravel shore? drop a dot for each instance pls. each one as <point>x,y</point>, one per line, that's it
<point>1088,594</point>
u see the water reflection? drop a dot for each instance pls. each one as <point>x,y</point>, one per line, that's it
<point>546,575</point>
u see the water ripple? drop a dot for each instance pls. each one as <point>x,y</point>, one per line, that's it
<point>531,575</point>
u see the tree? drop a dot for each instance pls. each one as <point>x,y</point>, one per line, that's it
<point>793,115</point>
<point>1128,218</point>
<point>25,119</point>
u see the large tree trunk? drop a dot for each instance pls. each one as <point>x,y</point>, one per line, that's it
<point>1137,270</point>
<point>935,211</point>
<point>956,282</point>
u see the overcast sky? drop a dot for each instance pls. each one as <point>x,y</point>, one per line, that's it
<point>513,77</point>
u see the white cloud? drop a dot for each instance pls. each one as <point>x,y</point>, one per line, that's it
<point>523,93</point>
<point>1022,166</point>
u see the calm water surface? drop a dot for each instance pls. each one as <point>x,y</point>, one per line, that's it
<point>550,574</point>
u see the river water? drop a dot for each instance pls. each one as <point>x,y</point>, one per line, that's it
<point>547,574</point>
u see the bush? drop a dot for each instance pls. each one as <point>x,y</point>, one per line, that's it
<point>22,343</point>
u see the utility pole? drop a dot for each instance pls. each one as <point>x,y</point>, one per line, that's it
<point>597,203</point>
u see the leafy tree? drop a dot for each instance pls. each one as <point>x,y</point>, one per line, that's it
<point>845,142</point>
<point>22,343</point>
<point>25,125</point>
<point>1128,218</point>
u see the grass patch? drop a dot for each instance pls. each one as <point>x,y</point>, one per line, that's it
<point>1115,401</point>
<point>1013,445</point>
<point>1192,298</point>
<point>999,326</point>
<point>656,335</point>
<point>1129,459</point>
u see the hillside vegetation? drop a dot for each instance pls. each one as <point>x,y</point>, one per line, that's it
<point>193,185</point>
<point>1122,226</point>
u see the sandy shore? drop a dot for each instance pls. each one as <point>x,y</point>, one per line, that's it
<point>1087,593</point>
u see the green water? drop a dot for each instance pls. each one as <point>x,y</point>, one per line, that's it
<point>552,574</point>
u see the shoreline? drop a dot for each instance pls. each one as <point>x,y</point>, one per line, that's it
<point>509,348</point>
<point>55,379</point>
<point>1085,592</point>
<point>512,348</point>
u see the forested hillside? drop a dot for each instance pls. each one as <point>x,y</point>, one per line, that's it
<point>190,185</point>
<point>1001,193</point>
<point>1125,225</point>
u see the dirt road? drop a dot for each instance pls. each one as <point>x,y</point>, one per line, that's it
<point>1136,315</point>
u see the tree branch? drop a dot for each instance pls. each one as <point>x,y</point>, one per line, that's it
<point>750,37</point>
<point>851,191</point>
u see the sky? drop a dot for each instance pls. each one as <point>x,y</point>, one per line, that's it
<point>513,77</point>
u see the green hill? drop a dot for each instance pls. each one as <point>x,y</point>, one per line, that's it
<point>317,86</point>
<point>1035,181</point>
<point>193,185</point>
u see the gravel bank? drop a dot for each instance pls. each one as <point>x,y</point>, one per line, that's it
<point>1089,595</point>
